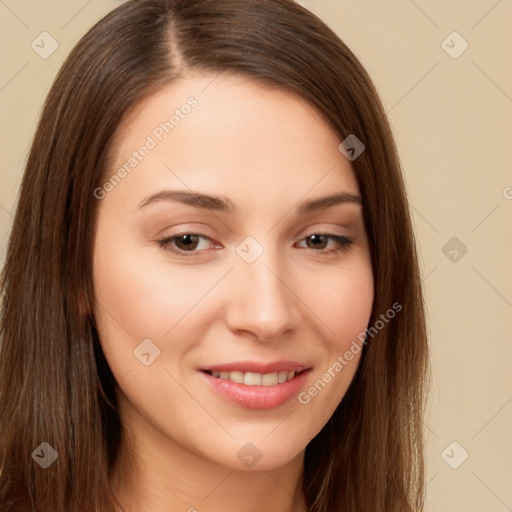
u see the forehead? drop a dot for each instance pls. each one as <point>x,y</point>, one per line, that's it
<point>227,133</point>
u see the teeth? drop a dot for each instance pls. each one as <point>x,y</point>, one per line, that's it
<point>235,377</point>
<point>269,379</point>
<point>252,379</point>
<point>256,379</point>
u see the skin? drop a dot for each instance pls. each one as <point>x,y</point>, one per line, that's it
<point>267,151</point>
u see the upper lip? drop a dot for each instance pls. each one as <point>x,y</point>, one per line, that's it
<point>257,367</point>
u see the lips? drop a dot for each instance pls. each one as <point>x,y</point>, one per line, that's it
<point>255,367</point>
<point>257,385</point>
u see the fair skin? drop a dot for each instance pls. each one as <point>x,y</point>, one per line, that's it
<point>299,302</point>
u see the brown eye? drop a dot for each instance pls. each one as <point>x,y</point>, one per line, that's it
<point>317,241</point>
<point>320,241</point>
<point>185,243</point>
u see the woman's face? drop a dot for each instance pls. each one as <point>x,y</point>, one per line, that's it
<point>218,273</point>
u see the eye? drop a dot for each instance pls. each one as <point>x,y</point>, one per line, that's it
<point>185,243</point>
<point>320,241</point>
<point>189,244</point>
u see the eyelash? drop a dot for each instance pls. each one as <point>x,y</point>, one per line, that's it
<point>165,243</point>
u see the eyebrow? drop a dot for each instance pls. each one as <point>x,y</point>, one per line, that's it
<point>225,205</point>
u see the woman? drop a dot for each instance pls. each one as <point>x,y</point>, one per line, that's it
<point>211,298</point>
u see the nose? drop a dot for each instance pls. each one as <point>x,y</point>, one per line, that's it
<point>262,303</point>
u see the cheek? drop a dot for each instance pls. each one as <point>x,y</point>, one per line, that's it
<point>140,297</point>
<point>146,297</point>
<point>354,307</point>
<point>126,299</point>
<point>343,300</point>
<point>343,305</point>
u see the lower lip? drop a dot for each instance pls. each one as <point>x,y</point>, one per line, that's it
<point>257,397</point>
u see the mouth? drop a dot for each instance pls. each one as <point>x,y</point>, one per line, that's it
<point>253,385</point>
<point>256,379</point>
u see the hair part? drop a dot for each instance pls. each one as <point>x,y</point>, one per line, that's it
<point>55,384</point>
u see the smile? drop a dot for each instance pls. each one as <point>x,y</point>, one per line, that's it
<point>255,379</point>
<point>253,385</point>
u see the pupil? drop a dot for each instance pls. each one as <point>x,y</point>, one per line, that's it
<point>317,238</point>
<point>189,241</point>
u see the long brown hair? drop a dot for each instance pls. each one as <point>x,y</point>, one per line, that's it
<point>55,385</point>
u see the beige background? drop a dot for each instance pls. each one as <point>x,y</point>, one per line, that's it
<point>452,119</point>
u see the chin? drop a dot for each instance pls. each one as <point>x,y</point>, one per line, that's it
<point>260,454</point>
